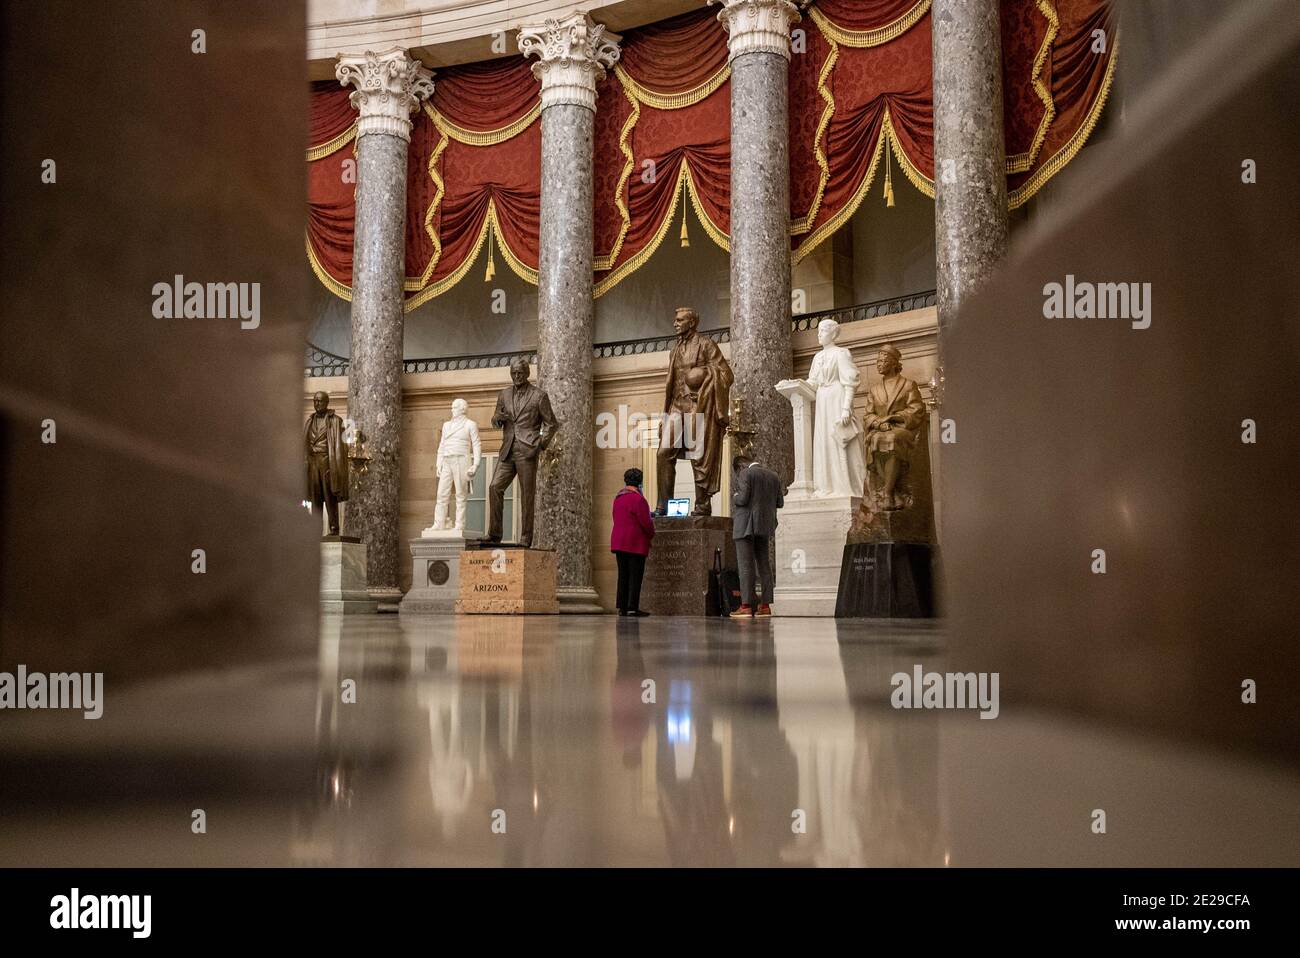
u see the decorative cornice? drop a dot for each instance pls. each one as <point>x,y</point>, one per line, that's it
<point>388,88</point>
<point>571,55</point>
<point>757,26</point>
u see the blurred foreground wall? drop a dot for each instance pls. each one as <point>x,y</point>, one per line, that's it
<point>1082,434</point>
<point>172,434</point>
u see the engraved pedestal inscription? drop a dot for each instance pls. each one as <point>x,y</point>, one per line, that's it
<point>677,569</point>
<point>505,581</point>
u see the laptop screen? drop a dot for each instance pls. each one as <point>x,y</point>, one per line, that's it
<point>679,507</point>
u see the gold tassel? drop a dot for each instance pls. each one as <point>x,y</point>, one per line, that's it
<point>889,182</point>
<point>491,266</point>
<point>686,240</point>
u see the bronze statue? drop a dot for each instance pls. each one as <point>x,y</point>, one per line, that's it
<point>524,415</point>
<point>327,459</point>
<point>892,426</point>
<point>695,413</point>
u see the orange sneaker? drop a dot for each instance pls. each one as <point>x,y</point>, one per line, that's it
<point>764,609</point>
<point>744,612</point>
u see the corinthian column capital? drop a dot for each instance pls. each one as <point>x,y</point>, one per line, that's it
<point>757,26</point>
<point>388,88</point>
<point>571,54</point>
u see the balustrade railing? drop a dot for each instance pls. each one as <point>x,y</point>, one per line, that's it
<point>323,363</point>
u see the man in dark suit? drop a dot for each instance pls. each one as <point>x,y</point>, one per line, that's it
<point>755,497</point>
<point>527,423</point>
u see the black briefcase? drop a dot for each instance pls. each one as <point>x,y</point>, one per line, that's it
<point>724,588</point>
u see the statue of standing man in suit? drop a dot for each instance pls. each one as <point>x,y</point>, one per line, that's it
<point>695,413</point>
<point>527,423</point>
<point>327,459</point>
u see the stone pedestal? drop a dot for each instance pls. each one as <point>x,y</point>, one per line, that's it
<point>802,399</point>
<point>507,581</point>
<point>677,569</point>
<point>343,576</point>
<point>887,570</point>
<point>809,549</point>
<point>435,573</point>
<point>886,580</point>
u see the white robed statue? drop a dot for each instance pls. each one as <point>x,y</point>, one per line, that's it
<point>839,465</point>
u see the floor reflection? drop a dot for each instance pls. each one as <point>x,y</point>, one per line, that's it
<point>711,744</point>
<point>537,741</point>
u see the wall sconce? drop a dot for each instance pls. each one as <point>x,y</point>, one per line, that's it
<point>740,429</point>
<point>358,455</point>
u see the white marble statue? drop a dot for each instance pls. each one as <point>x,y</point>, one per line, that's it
<point>838,462</point>
<point>459,452</point>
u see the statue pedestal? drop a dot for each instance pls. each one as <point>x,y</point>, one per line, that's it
<point>507,581</point>
<point>431,533</point>
<point>435,573</point>
<point>886,580</point>
<point>343,576</point>
<point>677,569</point>
<point>888,569</point>
<point>808,580</point>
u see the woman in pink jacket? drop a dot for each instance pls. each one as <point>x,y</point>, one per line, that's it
<point>630,541</point>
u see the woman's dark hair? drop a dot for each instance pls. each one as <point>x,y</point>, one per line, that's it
<point>633,477</point>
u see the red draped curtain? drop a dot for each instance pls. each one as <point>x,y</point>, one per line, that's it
<point>860,109</point>
<point>482,182</point>
<point>663,134</point>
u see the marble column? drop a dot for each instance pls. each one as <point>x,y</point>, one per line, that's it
<point>758,34</point>
<point>388,87</point>
<point>571,55</point>
<point>970,182</point>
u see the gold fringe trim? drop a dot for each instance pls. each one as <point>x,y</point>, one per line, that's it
<point>1021,194</point>
<point>412,284</point>
<point>888,139</point>
<point>685,184</point>
<point>486,137</point>
<point>526,273</point>
<point>714,231</point>
<point>804,223</point>
<point>914,175</point>
<point>841,216</point>
<point>322,150</point>
<point>637,95</point>
<point>625,146</point>
<point>870,38</point>
<point>638,260</point>
<point>450,280</point>
<point>672,101</point>
<point>1023,161</point>
<point>328,281</point>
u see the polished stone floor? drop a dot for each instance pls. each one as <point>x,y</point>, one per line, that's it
<point>602,741</point>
